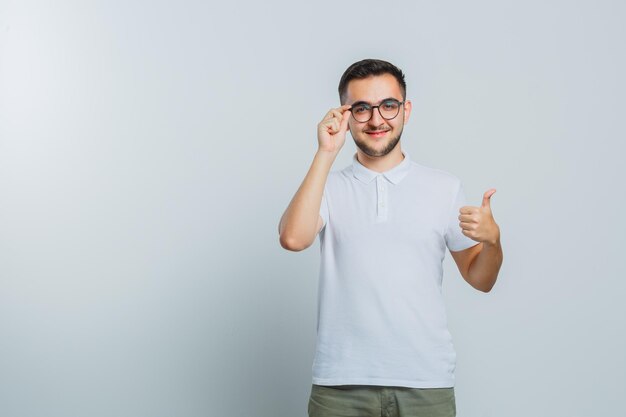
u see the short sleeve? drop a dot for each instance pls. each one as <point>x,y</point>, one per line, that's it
<point>455,239</point>
<point>324,209</point>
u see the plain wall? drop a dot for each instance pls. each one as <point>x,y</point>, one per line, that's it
<point>148,150</point>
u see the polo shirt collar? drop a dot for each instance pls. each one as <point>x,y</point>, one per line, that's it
<point>395,174</point>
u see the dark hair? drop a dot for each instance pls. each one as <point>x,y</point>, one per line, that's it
<point>367,68</point>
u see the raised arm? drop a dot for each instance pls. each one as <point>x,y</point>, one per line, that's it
<point>300,222</point>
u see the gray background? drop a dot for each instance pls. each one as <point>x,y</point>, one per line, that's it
<point>148,150</point>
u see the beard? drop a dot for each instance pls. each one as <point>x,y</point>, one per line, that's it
<point>369,151</point>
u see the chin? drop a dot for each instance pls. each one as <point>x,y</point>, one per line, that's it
<point>378,151</point>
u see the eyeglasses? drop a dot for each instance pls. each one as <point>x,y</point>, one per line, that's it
<point>388,109</point>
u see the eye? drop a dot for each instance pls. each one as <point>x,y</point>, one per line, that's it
<point>360,108</point>
<point>390,105</point>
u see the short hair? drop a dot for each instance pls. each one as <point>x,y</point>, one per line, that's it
<point>368,68</point>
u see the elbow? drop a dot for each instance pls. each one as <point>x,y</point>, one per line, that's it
<point>485,289</point>
<point>295,240</point>
<point>482,285</point>
<point>291,244</point>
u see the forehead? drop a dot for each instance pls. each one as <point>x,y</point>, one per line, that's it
<point>373,89</point>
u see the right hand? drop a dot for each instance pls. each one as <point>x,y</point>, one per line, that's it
<point>331,131</point>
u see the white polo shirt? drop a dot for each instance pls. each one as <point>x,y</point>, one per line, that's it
<point>381,316</point>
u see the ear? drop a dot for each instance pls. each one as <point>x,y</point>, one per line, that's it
<point>407,110</point>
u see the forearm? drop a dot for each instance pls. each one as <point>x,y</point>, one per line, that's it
<point>297,227</point>
<point>484,269</point>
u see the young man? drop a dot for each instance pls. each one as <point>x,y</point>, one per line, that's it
<point>384,223</point>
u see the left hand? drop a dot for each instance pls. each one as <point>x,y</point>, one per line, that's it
<point>477,223</point>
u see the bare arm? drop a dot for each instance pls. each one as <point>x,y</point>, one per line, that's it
<point>299,224</point>
<point>301,221</point>
<point>480,264</point>
<point>484,269</point>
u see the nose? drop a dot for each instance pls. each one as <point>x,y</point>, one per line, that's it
<point>376,119</point>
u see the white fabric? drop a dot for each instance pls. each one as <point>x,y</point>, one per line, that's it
<point>381,316</point>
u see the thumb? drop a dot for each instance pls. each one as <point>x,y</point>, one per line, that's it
<point>487,197</point>
<point>344,121</point>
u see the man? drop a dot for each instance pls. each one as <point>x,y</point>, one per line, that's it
<point>384,223</point>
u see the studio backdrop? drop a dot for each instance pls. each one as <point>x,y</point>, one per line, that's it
<point>148,150</point>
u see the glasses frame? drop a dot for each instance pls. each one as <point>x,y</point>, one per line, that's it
<point>401,103</point>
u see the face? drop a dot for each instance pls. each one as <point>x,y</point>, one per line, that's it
<point>378,136</point>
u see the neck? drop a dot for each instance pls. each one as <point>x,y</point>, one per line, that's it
<point>380,163</point>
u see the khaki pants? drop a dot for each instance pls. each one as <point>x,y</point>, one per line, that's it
<point>380,401</point>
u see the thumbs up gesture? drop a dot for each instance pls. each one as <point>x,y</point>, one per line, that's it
<point>477,223</point>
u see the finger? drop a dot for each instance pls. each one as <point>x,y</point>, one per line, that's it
<point>330,114</point>
<point>337,112</point>
<point>468,210</point>
<point>341,111</point>
<point>330,122</point>
<point>468,218</point>
<point>487,197</point>
<point>345,120</point>
<point>333,126</point>
<point>468,226</point>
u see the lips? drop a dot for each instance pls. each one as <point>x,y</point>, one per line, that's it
<point>377,133</point>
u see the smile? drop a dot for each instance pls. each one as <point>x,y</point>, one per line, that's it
<point>377,133</point>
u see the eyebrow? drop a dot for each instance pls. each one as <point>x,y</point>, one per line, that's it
<point>381,101</point>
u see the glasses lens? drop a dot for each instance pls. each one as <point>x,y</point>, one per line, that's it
<point>389,109</point>
<point>362,112</point>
